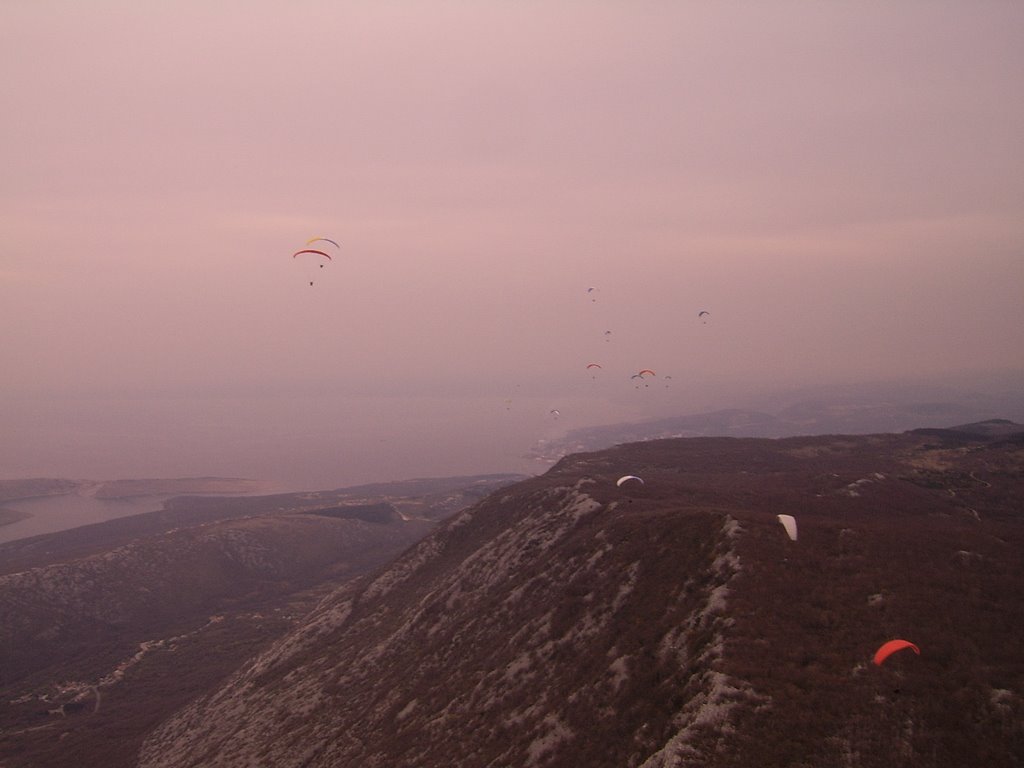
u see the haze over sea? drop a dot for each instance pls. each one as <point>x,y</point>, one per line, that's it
<point>515,191</point>
<point>294,443</point>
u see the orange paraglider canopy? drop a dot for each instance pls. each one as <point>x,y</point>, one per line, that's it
<point>889,648</point>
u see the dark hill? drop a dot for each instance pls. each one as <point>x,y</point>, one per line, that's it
<point>568,622</point>
<point>107,629</point>
<point>991,429</point>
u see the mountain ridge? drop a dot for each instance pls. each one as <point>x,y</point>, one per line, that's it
<point>565,621</point>
<point>107,629</point>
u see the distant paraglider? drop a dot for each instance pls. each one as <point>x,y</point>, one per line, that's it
<point>888,649</point>
<point>628,478</point>
<point>312,250</point>
<point>322,239</point>
<point>314,257</point>
<point>789,523</point>
<point>641,374</point>
<point>702,314</point>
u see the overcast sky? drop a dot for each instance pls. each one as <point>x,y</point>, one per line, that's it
<point>841,185</point>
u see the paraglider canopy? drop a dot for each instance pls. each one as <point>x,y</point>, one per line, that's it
<point>627,478</point>
<point>311,250</point>
<point>888,649</point>
<point>315,260</point>
<point>789,523</point>
<point>324,239</point>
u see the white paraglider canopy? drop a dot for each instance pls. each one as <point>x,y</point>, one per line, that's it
<point>627,478</point>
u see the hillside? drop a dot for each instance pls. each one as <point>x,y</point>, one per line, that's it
<point>566,621</point>
<point>107,629</point>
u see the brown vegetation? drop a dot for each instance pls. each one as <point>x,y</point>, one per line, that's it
<point>569,622</point>
<point>106,630</point>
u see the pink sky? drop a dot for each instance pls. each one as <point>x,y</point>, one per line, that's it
<point>841,185</point>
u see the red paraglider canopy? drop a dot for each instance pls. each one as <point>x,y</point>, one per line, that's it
<point>891,647</point>
<point>311,250</point>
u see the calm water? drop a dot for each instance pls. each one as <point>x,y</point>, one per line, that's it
<point>57,513</point>
<point>290,443</point>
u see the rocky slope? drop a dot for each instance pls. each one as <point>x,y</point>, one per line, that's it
<point>107,629</point>
<point>567,621</point>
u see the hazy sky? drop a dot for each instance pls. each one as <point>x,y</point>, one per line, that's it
<point>840,184</point>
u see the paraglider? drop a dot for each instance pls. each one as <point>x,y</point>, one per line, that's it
<point>592,293</point>
<point>627,478</point>
<point>641,374</point>
<point>607,334</point>
<point>555,413</point>
<point>323,239</point>
<point>314,252</point>
<point>888,649</point>
<point>789,523</point>
<point>701,315</point>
